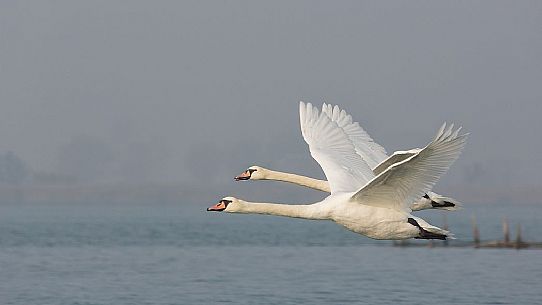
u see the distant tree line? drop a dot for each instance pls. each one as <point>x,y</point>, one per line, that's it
<point>13,170</point>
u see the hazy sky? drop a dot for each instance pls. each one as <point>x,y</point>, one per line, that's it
<point>193,92</point>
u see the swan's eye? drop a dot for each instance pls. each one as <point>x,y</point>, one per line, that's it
<point>251,170</point>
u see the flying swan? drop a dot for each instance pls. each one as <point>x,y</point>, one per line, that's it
<point>370,151</point>
<point>380,208</point>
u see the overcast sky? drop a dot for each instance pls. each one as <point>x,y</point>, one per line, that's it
<point>193,92</point>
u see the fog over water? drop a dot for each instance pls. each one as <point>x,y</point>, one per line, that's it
<point>122,121</point>
<point>187,94</point>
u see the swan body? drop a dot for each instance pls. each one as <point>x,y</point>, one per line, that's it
<point>373,222</point>
<point>377,206</point>
<point>371,152</point>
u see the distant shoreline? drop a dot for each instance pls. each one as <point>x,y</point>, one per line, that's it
<point>173,193</point>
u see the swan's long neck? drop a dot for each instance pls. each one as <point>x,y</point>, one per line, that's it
<point>316,184</point>
<point>307,211</point>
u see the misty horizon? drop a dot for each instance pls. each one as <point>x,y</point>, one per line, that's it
<point>190,94</point>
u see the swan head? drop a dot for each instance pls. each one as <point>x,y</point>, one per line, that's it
<point>226,204</point>
<point>252,173</point>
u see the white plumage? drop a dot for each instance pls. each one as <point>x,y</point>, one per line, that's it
<point>404,182</point>
<point>331,147</point>
<point>371,152</point>
<point>374,206</point>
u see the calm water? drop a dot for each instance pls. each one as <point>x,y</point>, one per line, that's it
<point>183,255</point>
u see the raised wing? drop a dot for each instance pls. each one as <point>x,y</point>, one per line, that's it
<point>329,145</point>
<point>397,156</point>
<point>404,182</point>
<point>364,145</point>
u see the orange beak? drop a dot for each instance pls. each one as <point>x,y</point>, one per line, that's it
<point>243,176</point>
<point>221,206</point>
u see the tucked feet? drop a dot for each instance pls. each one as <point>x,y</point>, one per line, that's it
<point>424,234</point>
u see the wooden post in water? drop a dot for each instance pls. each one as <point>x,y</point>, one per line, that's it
<point>518,237</point>
<point>506,231</point>
<point>475,232</point>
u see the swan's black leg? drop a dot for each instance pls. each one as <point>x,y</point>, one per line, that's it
<point>442,205</point>
<point>439,205</point>
<point>424,234</point>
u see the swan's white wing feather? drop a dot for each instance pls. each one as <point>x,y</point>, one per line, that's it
<point>404,182</point>
<point>365,146</point>
<point>329,145</point>
<point>397,156</point>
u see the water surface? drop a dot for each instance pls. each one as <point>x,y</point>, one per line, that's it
<point>144,254</point>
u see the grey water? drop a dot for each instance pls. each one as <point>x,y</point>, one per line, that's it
<point>181,254</point>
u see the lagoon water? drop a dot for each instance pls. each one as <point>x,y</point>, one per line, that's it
<point>144,254</point>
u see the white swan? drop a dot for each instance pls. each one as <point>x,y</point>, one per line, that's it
<point>379,209</point>
<point>430,200</point>
<point>370,151</point>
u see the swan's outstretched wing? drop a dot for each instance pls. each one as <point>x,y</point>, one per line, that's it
<point>332,149</point>
<point>397,156</point>
<point>365,146</point>
<point>408,180</point>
